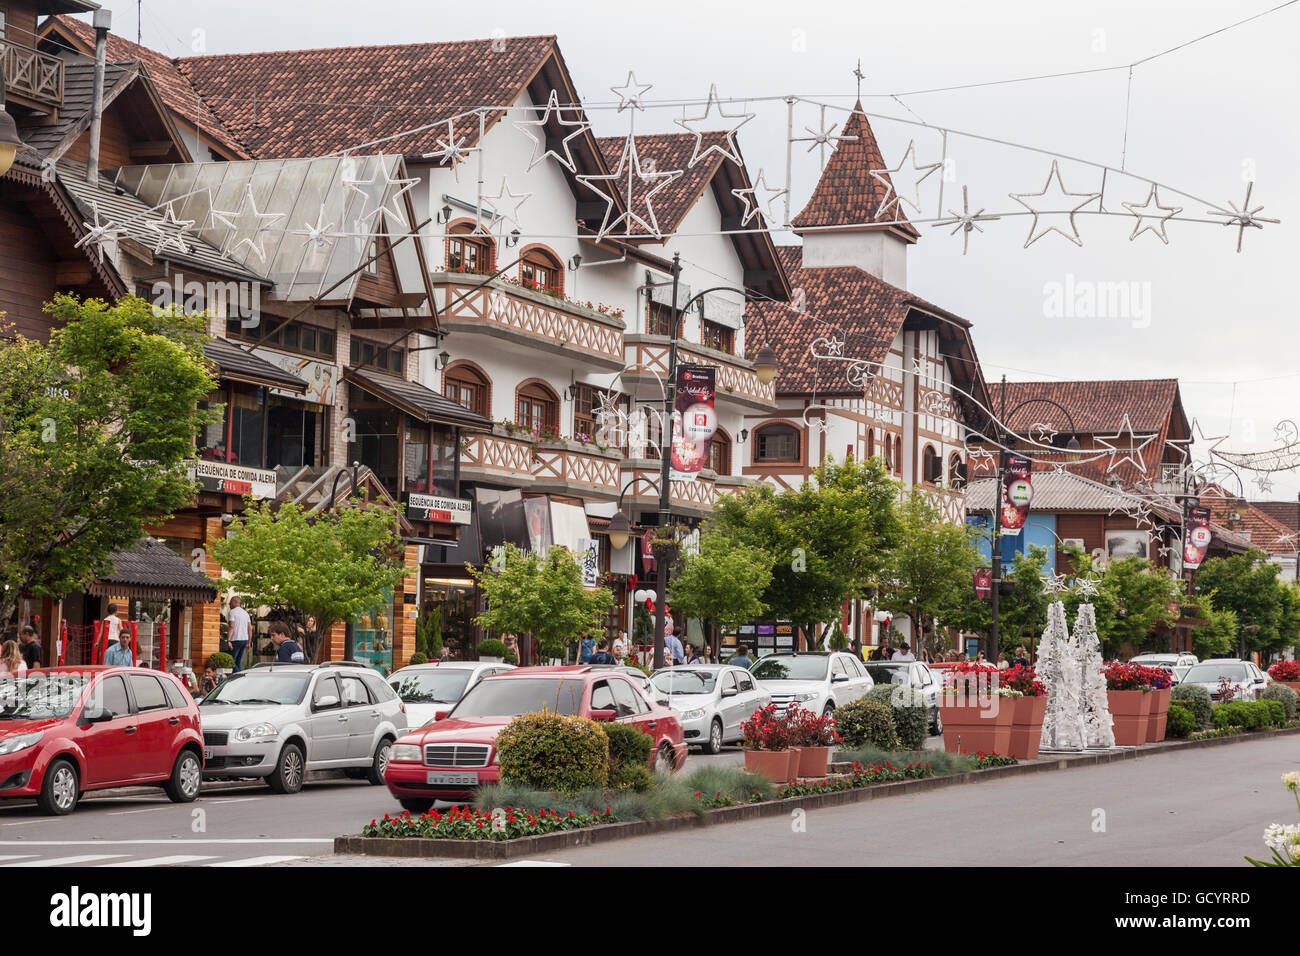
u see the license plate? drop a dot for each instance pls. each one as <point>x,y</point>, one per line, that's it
<point>207,753</point>
<point>454,779</point>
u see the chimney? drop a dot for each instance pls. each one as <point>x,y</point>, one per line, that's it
<point>102,21</point>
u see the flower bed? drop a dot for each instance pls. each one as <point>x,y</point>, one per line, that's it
<point>859,776</point>
<point>467,823</point>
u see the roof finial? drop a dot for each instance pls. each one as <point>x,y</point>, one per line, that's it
<point>857,71</point>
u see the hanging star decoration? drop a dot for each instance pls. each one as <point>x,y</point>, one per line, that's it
<point>1042,433</point>
<point>171,231</point>
<point>631,95</point>
<point>450,150</point>
<point>965,221</point>
<point>1243,217</point>
<point>754,205</point>
<point>385,179</point>
<point>1087,586</point>
<point>98,232</point>
<point>630,170</point>
<point>1152,222</point>
<point>536,131</point>
<point>1264,481</point>
<point>1054,584</point>
<point>1131,453</point>
<point>822,137</point>
<point>321,234</point>
<point>893,197</point>
<point>727,149</point>
<point>1036,229</point>
<point>498,203</point>
<point>266,222</point>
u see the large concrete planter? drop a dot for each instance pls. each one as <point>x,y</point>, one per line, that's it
<point>1130,709</point>
<point>1159,714</point>
<point>969,728</point>
<point>779,766</point>
<point>813,760</point>
<point>1027,726</point>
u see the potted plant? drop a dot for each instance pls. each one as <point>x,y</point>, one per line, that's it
<point>223,662</point>
<point>492,651</point>
<point>1286,673</point>
<point>1128,695</point>
<point>975,717</point>
<point>767,745</point>
<point>1028,710</point>
<point>1162,690</point>
<point>813,736</point>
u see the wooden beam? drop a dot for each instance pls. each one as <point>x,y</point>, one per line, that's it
<point>72,273</point>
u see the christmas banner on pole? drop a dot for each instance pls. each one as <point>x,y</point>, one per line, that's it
<point>1198,536</point>
<point>694,420</point>
<point>1017,492</point>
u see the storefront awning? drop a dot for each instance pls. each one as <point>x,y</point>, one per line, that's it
<point>237,365</point>
<point>416,400</point>
<point>153,572</point>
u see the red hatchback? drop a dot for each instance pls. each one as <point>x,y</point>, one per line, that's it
<point>450,757</point>
<point>67,730</point>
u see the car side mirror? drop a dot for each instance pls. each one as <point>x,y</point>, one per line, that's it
<point>729,692</point>
<point>603,715</point>
<point>1259,680</point>
<point>325,703</point>
<point>94,715</point>
<point>839,679</point>
<point>440,715</point>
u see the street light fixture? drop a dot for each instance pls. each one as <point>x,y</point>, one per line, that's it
<point>10,144</point>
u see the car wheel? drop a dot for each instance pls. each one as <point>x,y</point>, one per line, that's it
<point>936,728</point>
<point>60,789</point>
<point>288,773</point>
<point>187,776</point>
<point>416,806</point>
<point>664,759</point>
<point>829,709</point>
<point>379,762</point>
<point>715,738</point>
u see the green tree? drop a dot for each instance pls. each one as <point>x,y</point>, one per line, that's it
<point>723,583</point>
<point>828,540</point>
<point>96,431</point>
<point>1248,583</point>
<point>1022,613</point>
<point>1132,602</point>
<point>539,595</point>
<point>331,566</point>
<point>930,572</point>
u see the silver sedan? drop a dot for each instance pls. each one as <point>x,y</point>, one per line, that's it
<point>713,700</point>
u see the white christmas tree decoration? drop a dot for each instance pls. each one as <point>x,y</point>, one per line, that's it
<point>1097,725</point>
<point>1059,671</point>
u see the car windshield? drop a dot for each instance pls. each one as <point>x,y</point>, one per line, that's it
<point>40,695</point>
<point>1210,673</point>
<point>791,667</point>
<point>679,681</point>
<point>883,674</point>
<point>430,687</point>
<point>513,696</point>
<point>254,688</point>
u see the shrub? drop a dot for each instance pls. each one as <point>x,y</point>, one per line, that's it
<point>1276,711</point>
<point>1246,714</point>
<point>629,757</point>
<point>1196,699</point>
<point>491,647</point>
<point>1181,722</point>
<point>867,721</point>
<point>418,658</point>
<point>554,753</point>
<point>221,661</point>
<point>911,713</point>
<point>1286,696</point>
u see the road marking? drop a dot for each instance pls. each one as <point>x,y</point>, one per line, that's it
<point>67,860</point>
<point>25,823</point>
<point>233,800</point>
<point>162,861</point>
<point>534,863</point>
<point>122,813</point>
<point>178,842</point>
<point>258,861</point>
<point>17,856</point>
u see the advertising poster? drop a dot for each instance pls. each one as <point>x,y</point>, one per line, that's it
<point>1198,536</point>
<point>694,420</point>
<point>1017,492</point>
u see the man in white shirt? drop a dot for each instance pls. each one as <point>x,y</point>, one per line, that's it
<point>240,629</point>
<point>904,653</point>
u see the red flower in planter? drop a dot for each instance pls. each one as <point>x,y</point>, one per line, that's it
<point>1024,679</point>
<point>1285,670</point>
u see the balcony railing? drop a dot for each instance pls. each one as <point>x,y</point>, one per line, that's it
<point>686,497</point>
<point>736,379</point>
<point>31,74</point>
<point>560,465</point>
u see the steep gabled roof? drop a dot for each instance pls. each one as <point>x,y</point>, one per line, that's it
<point>1265,532</point>
<point>1283,512</point>
<point>78,95</point>
<point>847,194</point>
<point>1095,406</point>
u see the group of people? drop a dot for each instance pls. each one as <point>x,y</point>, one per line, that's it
<point>887,653</point>
<point>20,656</point>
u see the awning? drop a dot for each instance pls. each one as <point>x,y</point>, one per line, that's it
<point>416,400</point>
<point>153,572</point>
<point>238,365</point>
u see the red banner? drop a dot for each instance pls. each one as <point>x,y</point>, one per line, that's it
<point>1017,492</point>
<point>694,420</point>
<point>1198,536</point>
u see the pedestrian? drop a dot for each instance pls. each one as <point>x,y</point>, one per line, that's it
<point>673,646</point>
<point>980,659</point>
<point>287,650</point>
<point>1003,663</point>
<point>707,656</point>
<point>741,658</point>
<point>512,647</point>
<point>210,681</point>
<point>586,647</point>
<point>112,625</point>
<point>446,653</point>
<point>621,645</point>
<point>309,636</point>
<point>11,660</point>
<point>119,655</point>
<point>30,647</point>
<point>904,653</point>
<point>239,630</point>
<point>1021,659</point>
<point>690,654</point>
<point>602,655</point>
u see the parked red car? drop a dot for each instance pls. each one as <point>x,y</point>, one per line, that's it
<point>449,758</point>
<point>66,730</point>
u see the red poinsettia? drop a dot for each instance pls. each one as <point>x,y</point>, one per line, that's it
<point>1127,676</point>
<point>1285,670</point>
<point>1023,678</point>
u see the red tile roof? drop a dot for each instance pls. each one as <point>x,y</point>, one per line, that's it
<point>1283,512</point>
<point>1267,534</point>
<point>847,193</point>
<point>1095,406</point>
<point>173,86</point>
<point>668,152</point>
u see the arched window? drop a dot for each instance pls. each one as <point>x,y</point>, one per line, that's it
<point>467,252</point>
<point>871,442</point>
<point>776,444</point>
<point>898,454</point>
<point>540,270</point>
<point>537,407</point>
<point>956,471</point>
<point>466,385</point>
<point>931,466</point>
<point>720,453</point>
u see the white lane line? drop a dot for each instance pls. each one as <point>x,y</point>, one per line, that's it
<point>237,841</point>
<point>24,823</point>
<point>122,813</point>
<point>233,800</point>
<point>67,860</point>
<point>17,856</point>
<point>162,861</point>
<point>258,861</point>
<point>534,863</point>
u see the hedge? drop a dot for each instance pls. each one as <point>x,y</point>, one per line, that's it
<point>1196,699</point>
<point>1181,723</point>
<point>1286,696</point>
<point>1248,714</point>
<point>629,757</point>
<point>910,711</point>
<point>554,753</point>
<point>867,722</point>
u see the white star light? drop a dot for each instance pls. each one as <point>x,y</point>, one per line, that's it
<point>631,95</point>
<point>730,151</point>
<point>1264,482</point>
<point>886,176</point>
<point>1087,587</point>
<point>389,205</point>
<point>320,234</point>
<point>1054,584</point>
<point>171,231</point>
<point>1132,453</point>
<point>1036,230</point>
<point>265,222</point>
<point>629,165</point>
<point>97,232</point>
<point>451,149</point>
<point>502,199</point>
<point>1152,222</point>
<point>540,150</point>
<point>753,205</point>
<point>1243,217</point>
<point>965,221</point>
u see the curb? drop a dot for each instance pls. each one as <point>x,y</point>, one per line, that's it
<point>414,847</point>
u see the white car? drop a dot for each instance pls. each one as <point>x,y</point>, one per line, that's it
<point>1179,664</point>
<point>1247,680</point>
<point>428,688</point>
<point>818,682</point>
<point>713,700</point>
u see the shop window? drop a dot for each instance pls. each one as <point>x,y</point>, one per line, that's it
<point>776,443</point>
<point>293,432</point>
<point>464,385</point>
<point>720,453</point>
<point>931,466</point>
<point>430,458</point>
<point>541,271</point>
<point>246,426</point>
<point>377,440</point>
<point>537,407</point>
<point>469,253</point>
<point>367,354</point>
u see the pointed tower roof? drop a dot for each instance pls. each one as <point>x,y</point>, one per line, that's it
<point>847,194</point>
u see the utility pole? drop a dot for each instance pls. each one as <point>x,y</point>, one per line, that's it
<point>665,459</point>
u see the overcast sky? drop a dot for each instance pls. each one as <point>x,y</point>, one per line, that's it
<point>1201,120</point>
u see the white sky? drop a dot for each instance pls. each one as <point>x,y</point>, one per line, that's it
<point>1220,322</point>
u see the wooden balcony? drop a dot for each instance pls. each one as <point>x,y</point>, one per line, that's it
<point>687,498</point>
<point>530,318</point>
<point>560,466</point>
<point>647,355</point>
<point>951,503</point>
<point>32,78</point>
